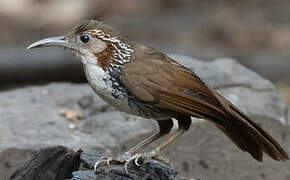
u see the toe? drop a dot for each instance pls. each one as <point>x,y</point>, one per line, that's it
<point>109,161</point>
<point>136,161</point>
<point>163,160</point>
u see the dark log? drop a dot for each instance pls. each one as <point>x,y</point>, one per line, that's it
<point>59,163</point>
<point>52,163</point>
<point>148,169</point>
<point>21,66</point>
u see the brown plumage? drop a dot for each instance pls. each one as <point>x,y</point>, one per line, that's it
<point>154,77</point>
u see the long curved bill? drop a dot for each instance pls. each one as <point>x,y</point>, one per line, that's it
<point>53,41</point>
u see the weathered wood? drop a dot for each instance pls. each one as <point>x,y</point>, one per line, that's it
<point>149,169</point>
<point>58,163</point>
<point>52,163</point>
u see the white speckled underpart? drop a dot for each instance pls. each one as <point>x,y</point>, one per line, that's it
<point>102,84</point>
<point>111,91</point>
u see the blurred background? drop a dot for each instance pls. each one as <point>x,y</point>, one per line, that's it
<point>255,32</point>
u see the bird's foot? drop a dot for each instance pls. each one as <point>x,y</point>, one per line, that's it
<point>107,161</point>
<point>142,157</point>
<point>127,159</point>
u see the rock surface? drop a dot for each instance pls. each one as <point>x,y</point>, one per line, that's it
<point>30,118</point>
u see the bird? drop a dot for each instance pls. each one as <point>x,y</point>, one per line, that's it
<point>142,81</point>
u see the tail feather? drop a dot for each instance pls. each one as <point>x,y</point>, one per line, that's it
<point>245,133</point>
<point>250,137</point>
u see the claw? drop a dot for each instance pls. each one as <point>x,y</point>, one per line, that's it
<point>127,159</point>
<point>134,158</point>
<point>108,161</point>
<point>136,161</point>
<point>102,159</point>
<point>126,167</point>
<point>96,165</point>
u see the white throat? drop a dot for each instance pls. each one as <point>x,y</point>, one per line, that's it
<point>88,59</point>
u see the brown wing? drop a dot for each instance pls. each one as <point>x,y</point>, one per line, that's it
<point>155,78</point>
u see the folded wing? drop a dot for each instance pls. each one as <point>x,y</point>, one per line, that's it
<point>161,81</point>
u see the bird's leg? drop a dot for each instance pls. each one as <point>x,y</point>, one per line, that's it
<point>164,128</point>
<point>184,123</point>
<point>172,137</point>
<point>155,153</point>
<point>142,144</point>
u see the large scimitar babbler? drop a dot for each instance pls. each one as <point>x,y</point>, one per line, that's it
<point>142,81</point>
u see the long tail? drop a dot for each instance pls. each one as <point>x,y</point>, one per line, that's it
<point>245,133</point>
<point>249,136</point>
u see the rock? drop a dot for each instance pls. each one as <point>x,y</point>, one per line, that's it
<point>31,119</point>
<point>206,153</point>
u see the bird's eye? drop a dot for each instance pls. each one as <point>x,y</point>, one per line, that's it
<point>85,38</point>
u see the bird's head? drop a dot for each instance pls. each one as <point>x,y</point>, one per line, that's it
<point>95,42</point>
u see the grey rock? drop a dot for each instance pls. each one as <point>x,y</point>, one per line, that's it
<point>204,152</point>
<point>30,119</point>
